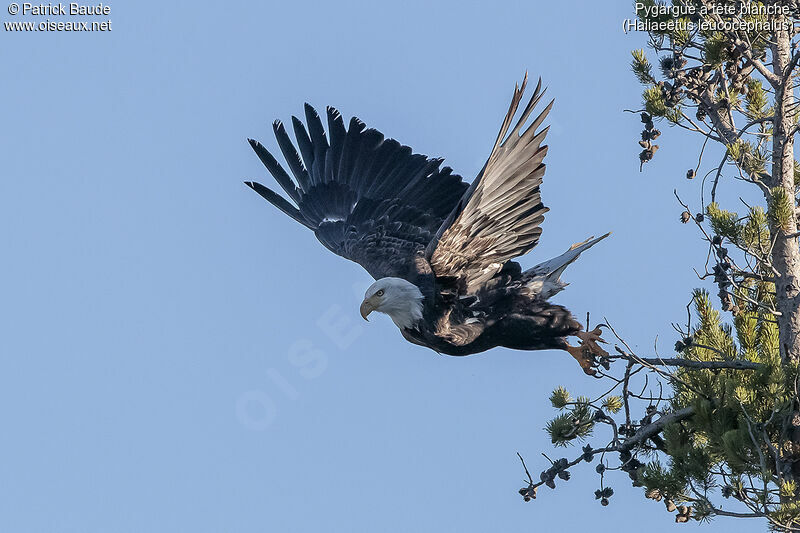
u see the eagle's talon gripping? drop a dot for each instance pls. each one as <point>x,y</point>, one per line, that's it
<point>585,358</point>
<point>590,339</point>
<point>588,352</point>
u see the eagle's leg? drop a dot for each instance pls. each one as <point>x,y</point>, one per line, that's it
<point>588,350</point>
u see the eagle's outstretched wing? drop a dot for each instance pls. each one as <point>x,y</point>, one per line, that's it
<point>499,216</point>
<point>368,199</point>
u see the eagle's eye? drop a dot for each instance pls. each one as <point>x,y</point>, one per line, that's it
<point>379,293</point>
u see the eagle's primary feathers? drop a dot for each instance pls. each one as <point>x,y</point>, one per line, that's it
<point>440,249</point>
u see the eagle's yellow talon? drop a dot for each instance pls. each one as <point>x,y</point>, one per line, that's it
<point>587,352</point>
<point>584,358</point>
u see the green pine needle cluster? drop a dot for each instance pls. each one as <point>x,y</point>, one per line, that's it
<point>781,208</point>
<point>560,398</point>
<point>641,67</point>
<point>748,157</point>
<point>652,96</point>
<point>756,100</point>
<point>714,49</point>
<point>612,404</point>
<point>750,232</point>
<point>575,422</point>
<point>724,223</point>
<point>738,415</point>
<point>654,102</point>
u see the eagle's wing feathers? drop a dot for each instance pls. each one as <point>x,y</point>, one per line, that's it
<point>500,214</point>
<point>368,199</point>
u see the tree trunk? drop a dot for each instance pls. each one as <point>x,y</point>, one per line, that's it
<point>785,254</point>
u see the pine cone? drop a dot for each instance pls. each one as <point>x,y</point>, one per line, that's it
<point>684,513</point>
<point>653,494</point>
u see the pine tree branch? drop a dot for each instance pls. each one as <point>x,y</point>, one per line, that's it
<point>699,365</point>
<point>787,75</point>
<point>529,492</point>
<point>733,514</point>
<point>654,428</point>
<point>645,432</point>
<point>751,61</point>
<point>747,52</point>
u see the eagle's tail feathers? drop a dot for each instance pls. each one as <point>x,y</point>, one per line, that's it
<point>545,277</point>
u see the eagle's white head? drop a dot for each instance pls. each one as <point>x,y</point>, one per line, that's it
<point>398,298</point>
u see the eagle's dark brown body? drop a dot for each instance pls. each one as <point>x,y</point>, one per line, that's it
<point>541,326</point>
<point>503,313</point>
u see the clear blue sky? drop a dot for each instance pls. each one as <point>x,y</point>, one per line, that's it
<point>177,355</point>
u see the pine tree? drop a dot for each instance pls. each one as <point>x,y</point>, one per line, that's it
<point>723,438</point>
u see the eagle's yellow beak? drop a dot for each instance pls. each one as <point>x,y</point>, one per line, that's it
<point>366,308</point>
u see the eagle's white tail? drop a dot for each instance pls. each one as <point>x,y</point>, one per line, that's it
<point>545,278</point>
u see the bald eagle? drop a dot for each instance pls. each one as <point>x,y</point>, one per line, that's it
<point>440,249</point>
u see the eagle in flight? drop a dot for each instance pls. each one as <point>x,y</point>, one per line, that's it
<point>440,249</point>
